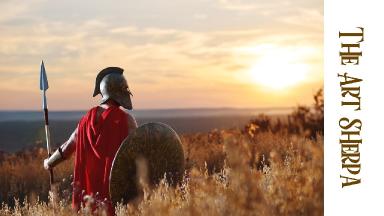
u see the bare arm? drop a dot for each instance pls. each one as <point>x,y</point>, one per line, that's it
<point>63,152</point>
<point>69,146</point>
<point>132,125</point>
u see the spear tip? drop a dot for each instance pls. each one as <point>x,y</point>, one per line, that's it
<point>43,77</point>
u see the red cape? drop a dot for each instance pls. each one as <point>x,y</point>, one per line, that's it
<point>98,139</point>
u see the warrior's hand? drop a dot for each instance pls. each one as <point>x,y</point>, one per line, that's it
<point>55,159</point>
<point>46,165</point>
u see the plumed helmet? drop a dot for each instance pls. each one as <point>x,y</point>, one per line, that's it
<point>111,84</point>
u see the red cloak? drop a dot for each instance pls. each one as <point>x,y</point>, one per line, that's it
<point>98,139</point>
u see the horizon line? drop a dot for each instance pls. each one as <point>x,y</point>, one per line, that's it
<point>160,109</point>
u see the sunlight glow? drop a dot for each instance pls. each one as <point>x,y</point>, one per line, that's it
<point>278,71</point>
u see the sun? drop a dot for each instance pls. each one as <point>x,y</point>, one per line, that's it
<point>278,75</point>
<point>279,68</point>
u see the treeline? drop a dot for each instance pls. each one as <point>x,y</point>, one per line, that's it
<point>304,120</point>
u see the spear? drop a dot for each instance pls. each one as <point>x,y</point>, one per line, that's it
<point>43,88</point>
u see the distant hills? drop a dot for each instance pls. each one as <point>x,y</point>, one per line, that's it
<point>25,129</point>
<point>145,113</point>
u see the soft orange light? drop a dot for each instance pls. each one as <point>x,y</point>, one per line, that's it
<point>279,69</point>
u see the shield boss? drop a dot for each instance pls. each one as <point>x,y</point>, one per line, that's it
<point>161,148</point>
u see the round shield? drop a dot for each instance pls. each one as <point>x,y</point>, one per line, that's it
<point>161,148</point>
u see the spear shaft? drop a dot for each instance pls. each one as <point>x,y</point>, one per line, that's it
<point>43,88</point>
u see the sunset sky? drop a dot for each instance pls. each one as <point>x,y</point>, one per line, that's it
<point>176,53</point>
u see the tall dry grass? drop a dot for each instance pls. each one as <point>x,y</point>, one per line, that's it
<point>232,174</point>
<point>267,168</point>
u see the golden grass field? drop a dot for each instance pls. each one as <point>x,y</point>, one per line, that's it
<point>264,168</point>
<point>277,175</point>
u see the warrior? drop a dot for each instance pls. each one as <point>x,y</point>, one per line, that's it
<point>96,140</point>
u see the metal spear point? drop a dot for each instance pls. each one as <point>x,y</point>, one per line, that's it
<point>43,88</point>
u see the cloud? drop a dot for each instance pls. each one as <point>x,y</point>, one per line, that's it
<point>158,59</point>
<point>270,5</point>
<point>179,64</point>
<point>241,5</point>
<point>200,16</point>
<point>292,12</point>
<point>12,9</point>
